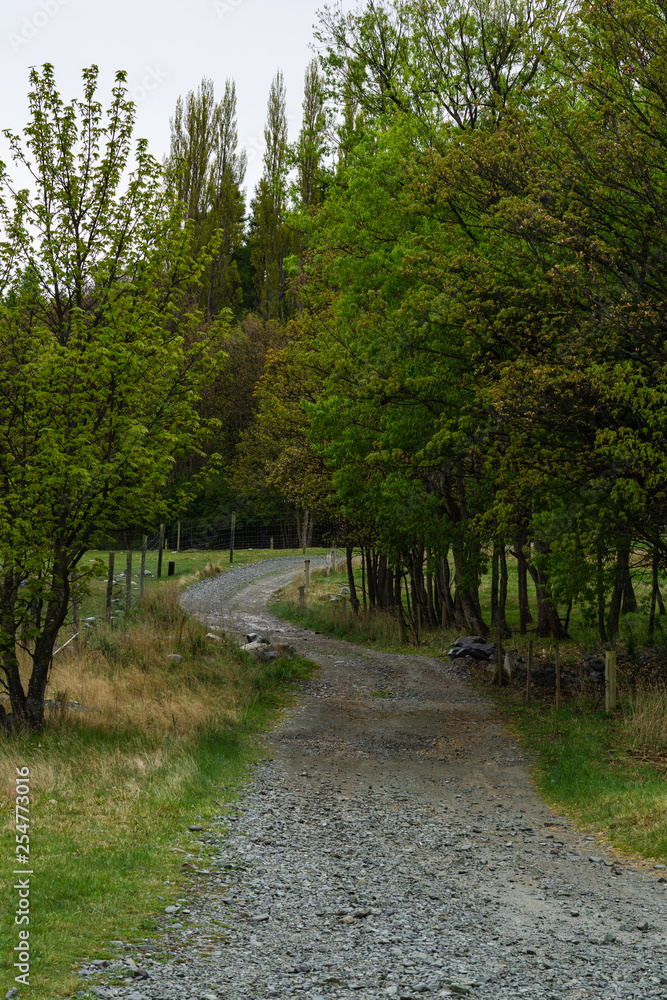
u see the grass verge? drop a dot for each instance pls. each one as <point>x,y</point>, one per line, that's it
<point>606,771</point>
<point>160,740</point>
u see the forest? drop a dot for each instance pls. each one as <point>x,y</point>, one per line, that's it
<point>450,304</point>
<point>438,324</point>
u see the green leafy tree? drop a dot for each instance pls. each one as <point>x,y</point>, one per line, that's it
<point>102,362</point>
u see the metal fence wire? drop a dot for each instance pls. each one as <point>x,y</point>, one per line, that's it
<point>218,533</point>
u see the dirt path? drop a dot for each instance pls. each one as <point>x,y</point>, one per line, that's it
<point>395,846</point>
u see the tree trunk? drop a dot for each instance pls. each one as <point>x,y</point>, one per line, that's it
<point>629,598</point>
<point>502,597</point>
<point>495,581</point>
<point>469,598</point>
<point>363,577</point>
<point>548,622</point>
<point>621,570</point>
<point>371,578</point>
<point>354,600</point>
<point>654,594</point>
<point>446,591</point>
<point>602,628</point>
<point>8,658</point>
<point>522,574</point>
<point>430,604</point>
<point>399,605</point>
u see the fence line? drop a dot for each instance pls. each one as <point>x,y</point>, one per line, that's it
<point>220,533</point>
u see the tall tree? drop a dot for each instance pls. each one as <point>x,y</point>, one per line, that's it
<point>269,235</point>
<point>311,145</point>
<point>102,361</point>
<point>208,170</point>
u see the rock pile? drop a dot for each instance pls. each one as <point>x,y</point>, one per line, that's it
<point>474,646</point>
<point>263,649</point>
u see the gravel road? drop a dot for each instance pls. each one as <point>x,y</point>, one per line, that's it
<point>391,845</point>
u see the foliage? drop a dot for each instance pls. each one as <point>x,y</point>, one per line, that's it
<point>102,357</point>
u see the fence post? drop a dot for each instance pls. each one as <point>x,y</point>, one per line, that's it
<point>159,551</point>
<point>110,587</point>
<point>128,581</point>
<point>610,679</point>
<point>75,608</point>
<point>178,537</point>
<point>305,531</point>
<point>498,673</point>
<point>271,543</point>
<point>302,597</point>
<point>529,671</point>
<point>557,651</point>
<point>306,563</point>
<point>142,574</point>
<point>231,539</point>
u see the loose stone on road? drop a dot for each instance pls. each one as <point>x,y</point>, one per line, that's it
<point>393,846</point>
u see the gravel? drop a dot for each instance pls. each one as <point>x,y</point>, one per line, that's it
<point>209,598</point>
<point>392,846</point>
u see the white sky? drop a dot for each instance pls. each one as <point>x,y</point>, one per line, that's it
<point>166,48</point>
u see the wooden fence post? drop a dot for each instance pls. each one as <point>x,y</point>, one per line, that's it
<point>142,574</point>
<point>178,537</point>
<point>231,538</point>
<point>302,597</point>
<point>110,586</point>
<point>529,671</point>
<point>159,551</point>
<point>128,581</point>
<point>271,543</point>
<point>305,531</point>
<point>306,563</point>
<point>557,652</point>
<point>610,679</point>
<point>498,673</point>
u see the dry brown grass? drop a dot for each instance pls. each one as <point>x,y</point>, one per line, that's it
<point>124,678</point>
<point>646,718</point>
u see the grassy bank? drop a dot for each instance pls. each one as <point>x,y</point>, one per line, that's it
<point>607,771</point>
<point>156,744</point>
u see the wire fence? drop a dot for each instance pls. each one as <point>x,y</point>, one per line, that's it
<point>220,533</point>
<point>137,559</point>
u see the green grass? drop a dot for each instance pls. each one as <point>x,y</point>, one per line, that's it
<point>584,765</point>
<point>114,789</point>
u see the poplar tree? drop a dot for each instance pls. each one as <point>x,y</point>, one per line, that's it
<point>269,235</point>
<point>207,171</point>
<point>311,145</point>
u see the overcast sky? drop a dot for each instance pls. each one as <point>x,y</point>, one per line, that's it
<point>166,48</point>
